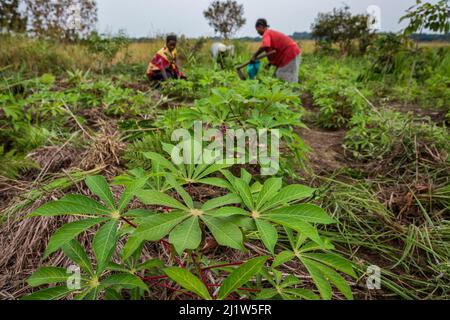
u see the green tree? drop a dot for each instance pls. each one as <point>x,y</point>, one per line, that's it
<point>342,28</point>
<point>226,17</point>
<point>64,19</point>
<point>427,16</point>
<point>11,17</point>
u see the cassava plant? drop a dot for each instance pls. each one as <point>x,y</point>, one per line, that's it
<point>267,209</point>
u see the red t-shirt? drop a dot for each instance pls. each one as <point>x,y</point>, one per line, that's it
<point>286,48</point>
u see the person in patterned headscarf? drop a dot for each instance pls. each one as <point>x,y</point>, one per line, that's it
<point>164,66</point>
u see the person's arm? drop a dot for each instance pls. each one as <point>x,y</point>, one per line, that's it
<point>257,53</point>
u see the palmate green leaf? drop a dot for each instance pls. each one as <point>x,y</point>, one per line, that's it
<point>290,281</point>
<point>228,212</point>
<point>158,226</point>
<point>225,233</point>
<point>132,246</point>
<point>307,212</point>
<point>87,293</point>
<point>152,228</point>
<point>294,192</point>
<point>151,197</point>
<point>66,208</point>
<point>216,182</point>
<point>240,276</point>
<point>266,294</point>
<point>333,260</point>
<point>99,186</point>
<point>312,246</point>
<point>112,266</point>
<point>124,280</point>
<point>130,191</point>
<point>184,195</point>
<point>268,234</point>
<point>54,293</point>
<point>318,277</point>
<point>163,162</point>
<point>297,224</point>
<point>337,280</point>
<point>245,223</point>
<point>68,232</point>
<point>188,281</point>
<point>104,244</point>
<point>86,202</point>
<point>283,257</point>
<point>302,294</point>
<point>77,254</point>
<point>268,191</point>
<point>214,203</point>
<point>48,275</point>
<point>209,170</point>
<point>149,264</point>
<point>112,295</point>
<point>246,176</point>
<point>244,192</point>
<point>186,235</point>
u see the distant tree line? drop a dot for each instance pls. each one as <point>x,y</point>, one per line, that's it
<point>298,36</point>
<point>67,20</point>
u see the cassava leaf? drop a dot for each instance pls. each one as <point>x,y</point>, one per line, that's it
<point>99,186</point>
<point>240,276</point>
<point>188,281</point>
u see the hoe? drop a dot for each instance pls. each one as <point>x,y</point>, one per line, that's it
<point>254,67</point>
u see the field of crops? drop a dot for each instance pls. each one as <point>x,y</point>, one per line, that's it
<point>86,177</point>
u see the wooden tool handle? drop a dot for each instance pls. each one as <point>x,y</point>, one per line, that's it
<point>258,58</point>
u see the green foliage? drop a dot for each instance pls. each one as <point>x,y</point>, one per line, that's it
<point>228,103</point>
<point>376,135</point>
<point>342,28</point>
<point>425,15</point>
<point>335,91</point>
<point>267,206</point>
<point>108,46</point>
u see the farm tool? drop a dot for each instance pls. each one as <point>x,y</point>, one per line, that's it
<point>252,66</point>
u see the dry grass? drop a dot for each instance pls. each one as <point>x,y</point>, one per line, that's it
<point>142,52</point>
<point>105,150</point>
<point>38,56</point>
<point>434,44</point>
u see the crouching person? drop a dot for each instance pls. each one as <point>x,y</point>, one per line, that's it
<point>164,64</point>
<point>220,51</point>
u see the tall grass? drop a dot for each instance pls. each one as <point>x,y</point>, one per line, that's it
<point>36,56</point>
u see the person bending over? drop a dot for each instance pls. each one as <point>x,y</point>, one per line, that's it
<point>286,56</point>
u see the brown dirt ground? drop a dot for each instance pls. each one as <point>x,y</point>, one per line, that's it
<point>327,153</point>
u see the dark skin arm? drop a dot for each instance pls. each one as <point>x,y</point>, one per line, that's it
<point>259,52</point>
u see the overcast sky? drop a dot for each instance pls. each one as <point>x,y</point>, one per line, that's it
<point>153,17</point>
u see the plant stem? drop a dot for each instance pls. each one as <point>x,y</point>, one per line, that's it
<point>200,270</point>
<point>129,222</point>
<point>168,246</point>
<point>153,278</point>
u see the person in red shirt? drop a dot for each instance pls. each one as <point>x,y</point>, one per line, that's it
<point>285,52</point>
